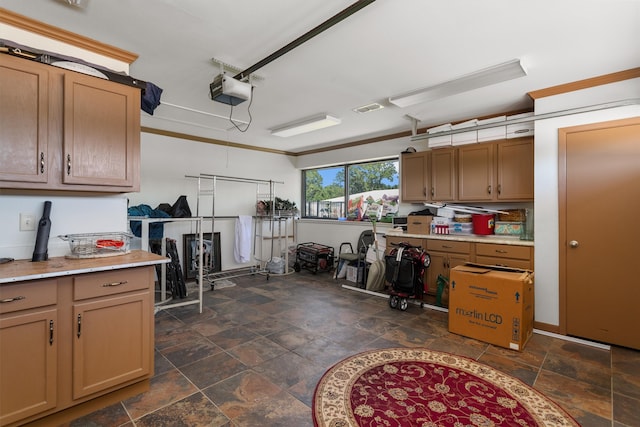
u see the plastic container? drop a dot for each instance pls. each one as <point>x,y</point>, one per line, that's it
<point>483,224</point>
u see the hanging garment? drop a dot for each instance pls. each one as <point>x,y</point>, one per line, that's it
<point>150,98</point>
<point>242,249</point>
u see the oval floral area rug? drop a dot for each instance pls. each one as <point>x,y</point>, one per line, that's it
<point>419,387</point>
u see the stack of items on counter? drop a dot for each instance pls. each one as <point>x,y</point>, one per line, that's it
<point>510,222</point>
<point>449,221</point>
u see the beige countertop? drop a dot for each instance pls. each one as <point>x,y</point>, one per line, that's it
<point>21,270</point>
<point>501,240</point>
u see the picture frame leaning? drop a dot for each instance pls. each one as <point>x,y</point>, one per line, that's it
<point>190,254</point>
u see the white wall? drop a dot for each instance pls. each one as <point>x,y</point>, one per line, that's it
<point>165,161</point>
<point>546,180</point>
<point>360,153</point>
<point>69,215</point>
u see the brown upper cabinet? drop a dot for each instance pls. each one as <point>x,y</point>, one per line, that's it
<point>498,171</point>
<point>62,130</point>
<point>415,178</point>
<point>515,169</point>
<point>429,176</point>
<point>484,172</point>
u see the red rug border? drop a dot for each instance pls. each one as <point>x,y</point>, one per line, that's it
<point>315,391</point>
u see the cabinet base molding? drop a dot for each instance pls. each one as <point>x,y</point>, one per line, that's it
<point>548,328</point>
<point>70,414</point>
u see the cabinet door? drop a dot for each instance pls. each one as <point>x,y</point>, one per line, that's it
<point>438,267</point>
<point>475,172</point>
<point>443,175</point>
<point>28,364</point>
<point>111,342</point>
<point>415,177</point>
<point>101,132</point>
<point>24,106</point>
<point>515,169</point>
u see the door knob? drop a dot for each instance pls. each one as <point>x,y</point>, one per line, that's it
<point>573,243</point>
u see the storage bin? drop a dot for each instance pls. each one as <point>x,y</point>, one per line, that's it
<point>439,141</point>
<point>483,224</point>
<point>470,137</point>
<point>460,228</point>
<point>493,133</point>
<point>508,228</point>
<point>518,130</point>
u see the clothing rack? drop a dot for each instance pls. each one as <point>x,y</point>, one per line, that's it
<point>265,191</point>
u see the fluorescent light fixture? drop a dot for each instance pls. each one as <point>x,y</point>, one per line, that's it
<point>306,125</point>
<point>485,77</point>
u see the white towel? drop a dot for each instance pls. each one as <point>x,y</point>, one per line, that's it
<point>242,249</point>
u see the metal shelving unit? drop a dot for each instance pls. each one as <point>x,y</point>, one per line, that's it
<point>265,192</point>
<point>165,302</point>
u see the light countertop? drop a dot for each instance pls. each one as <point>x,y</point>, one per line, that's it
<point>500,240</point>
<point>20,270</point>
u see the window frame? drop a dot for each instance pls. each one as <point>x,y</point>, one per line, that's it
<point>345,167</point>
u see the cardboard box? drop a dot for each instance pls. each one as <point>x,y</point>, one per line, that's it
<point>419,224</point>
<point>492,304</point>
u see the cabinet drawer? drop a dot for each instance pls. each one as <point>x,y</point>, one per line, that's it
<point>503,251</point>
<point>109,283</point>
<point>506,262</point>
<point>22,296</point>
<point>448,246</point>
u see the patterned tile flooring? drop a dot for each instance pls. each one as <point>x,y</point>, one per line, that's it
<point>255,354</point>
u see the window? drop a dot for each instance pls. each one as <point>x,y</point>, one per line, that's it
<point>370,189</point>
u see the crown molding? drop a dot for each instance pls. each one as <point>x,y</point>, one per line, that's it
<point>632,73</point>
<point>189,137</point>
<point>37,27</point>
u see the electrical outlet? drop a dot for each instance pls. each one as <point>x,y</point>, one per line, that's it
<point>27,222</point>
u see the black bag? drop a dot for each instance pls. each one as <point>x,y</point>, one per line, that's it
<point>180,208</point>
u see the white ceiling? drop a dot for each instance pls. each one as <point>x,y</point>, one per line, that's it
<point>387,48</point>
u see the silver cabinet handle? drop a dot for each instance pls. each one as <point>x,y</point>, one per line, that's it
<point>18,298</point>
<point>68,164</point>
<point>109,285</point>
<point>573,243</point>
<point>42,162</point>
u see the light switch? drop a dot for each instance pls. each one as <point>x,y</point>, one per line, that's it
<point>27,222</point>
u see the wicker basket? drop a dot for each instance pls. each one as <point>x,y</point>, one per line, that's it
<point>512,215</point>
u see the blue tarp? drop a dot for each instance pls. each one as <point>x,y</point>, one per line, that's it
<point>156,230</point>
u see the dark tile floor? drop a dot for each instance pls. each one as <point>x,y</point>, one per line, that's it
<point>255,354</point>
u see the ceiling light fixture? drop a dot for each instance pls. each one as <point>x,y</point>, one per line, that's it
<point>307,125</point>
<point>485,77</point>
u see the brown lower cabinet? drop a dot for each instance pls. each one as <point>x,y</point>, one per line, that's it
<point>446,254</point>
<point>69,340</point>
<point>505,255</point>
